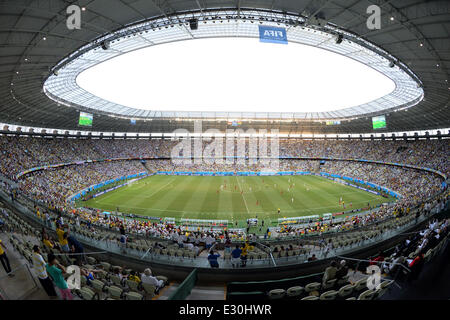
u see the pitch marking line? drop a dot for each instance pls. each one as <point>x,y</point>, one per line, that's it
<point>160,189</point>
<point>243,198</point>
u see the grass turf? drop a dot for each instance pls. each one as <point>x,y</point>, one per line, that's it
<point>233,198</point>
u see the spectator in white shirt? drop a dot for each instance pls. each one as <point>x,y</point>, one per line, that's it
<point>39,267</point>
<point>209,241</point>
<point>147,277</point>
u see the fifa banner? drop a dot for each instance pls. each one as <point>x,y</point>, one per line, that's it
<point>105,183</point>
<point>272,34</point>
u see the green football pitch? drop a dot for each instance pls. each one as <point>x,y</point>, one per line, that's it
<point>233,198</point>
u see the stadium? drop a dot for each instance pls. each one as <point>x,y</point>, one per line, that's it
<point>224,150</point>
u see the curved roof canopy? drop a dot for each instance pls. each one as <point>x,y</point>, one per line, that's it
<point>34,40</point>
<point>62,86</point>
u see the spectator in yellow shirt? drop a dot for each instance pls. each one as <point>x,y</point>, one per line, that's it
<point>133,277</point>
<point>62,241</point>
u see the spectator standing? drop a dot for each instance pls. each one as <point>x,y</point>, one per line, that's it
<point>236,256</point>
<point>56,271</point>
<point>75,247</point>
<point>209,240</point>
<point>62,241</point>
<point>244,254</point>
<point>44,279</point>
<point>212,258</point>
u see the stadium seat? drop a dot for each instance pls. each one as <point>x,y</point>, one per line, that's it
<point>91,260</point>
<point>312,287</point>
<point>366,295</point>
<point>88,294</point>
<point>134,296</point>
<point>98,287</point>
<point>149,290</point>
<point>310,298</point>
<point>115,292</point>
<point>386,284</point>
<point>342,281</point>
<point>346,290</point>
<point>329,284</point>
<point>115,279</point>
<point>163,278</point>
<point>276,294</point>
<point>106,266</point>
<point>133,285</point>
<point>361,284</point>
<point>329,295</point>
<point>295,291</point>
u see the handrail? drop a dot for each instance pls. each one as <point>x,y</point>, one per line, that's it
<point>270,252</point>
<point>185,288</point>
